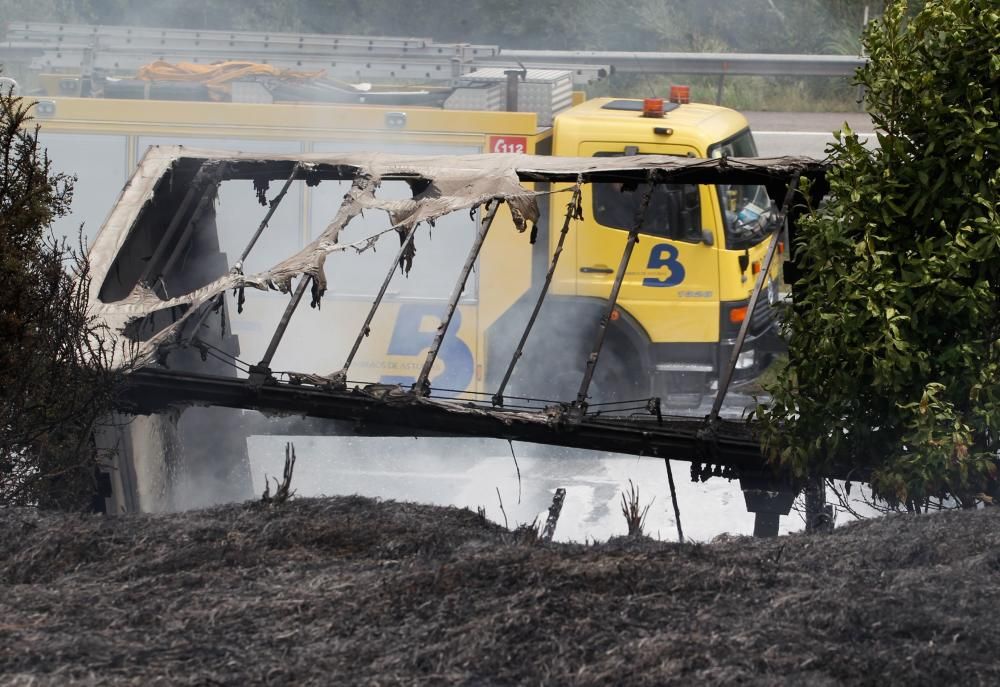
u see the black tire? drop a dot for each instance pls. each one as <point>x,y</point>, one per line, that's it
<point>619,378</point>
<point>554,374</point>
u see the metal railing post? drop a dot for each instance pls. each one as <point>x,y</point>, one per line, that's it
<point>422,385</point>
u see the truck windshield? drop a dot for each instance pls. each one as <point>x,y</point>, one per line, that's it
<point>674,210</point>
<point>746,209</point>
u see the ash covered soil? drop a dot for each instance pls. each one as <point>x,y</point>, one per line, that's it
<point>356,591</point>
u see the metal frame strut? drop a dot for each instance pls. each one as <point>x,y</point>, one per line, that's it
<point>262,370</point>
<point>758,286</point>
<point>422,386</point>
<point>580,404</point>
<point>273,206</point>
<point>340,377</point>
<point>206,179</point>
<point>574,210</point>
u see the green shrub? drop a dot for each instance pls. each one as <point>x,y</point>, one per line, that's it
<point>56,376</point>
<point>895,332</point>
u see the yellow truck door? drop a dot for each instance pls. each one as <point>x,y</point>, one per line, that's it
<point>671,285</point>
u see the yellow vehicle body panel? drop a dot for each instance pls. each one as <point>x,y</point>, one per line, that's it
<point>672,288</point>
<point>295,121</point>
<point>408,318</point>
<point>695,125</point>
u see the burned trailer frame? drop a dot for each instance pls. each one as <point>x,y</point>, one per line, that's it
<point>186,354</point>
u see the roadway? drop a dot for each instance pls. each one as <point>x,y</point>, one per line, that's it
<point>803,133</point>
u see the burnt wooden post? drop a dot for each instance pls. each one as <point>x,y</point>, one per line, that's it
<point>819,515</point>
<point>422,386</point>
<point>554,510</point>
<point>673,499</point>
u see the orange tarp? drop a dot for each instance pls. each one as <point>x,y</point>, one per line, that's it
<point>217,77</point>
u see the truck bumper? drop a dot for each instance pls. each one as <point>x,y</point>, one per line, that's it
<point>683,373</point>
<point>757,354</point>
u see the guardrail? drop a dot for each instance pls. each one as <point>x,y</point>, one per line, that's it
<point>116,49</point>
<point>120,50</point>
<point>717,64</point>
<point>34,37</point>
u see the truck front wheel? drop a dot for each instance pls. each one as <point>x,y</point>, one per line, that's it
<point>555,374</point>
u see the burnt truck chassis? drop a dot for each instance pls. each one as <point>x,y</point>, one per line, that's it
<point>177,319</point>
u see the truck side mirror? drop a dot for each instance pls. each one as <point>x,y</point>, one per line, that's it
<point>707,238</point>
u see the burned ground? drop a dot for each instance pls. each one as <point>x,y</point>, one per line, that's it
<point>350,590</point>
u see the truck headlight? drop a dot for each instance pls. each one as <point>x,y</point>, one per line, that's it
<point>745,360</point>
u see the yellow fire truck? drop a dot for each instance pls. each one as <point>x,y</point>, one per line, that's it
<point>685,292</point>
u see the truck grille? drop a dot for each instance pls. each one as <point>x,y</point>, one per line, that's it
<point>764,314</point>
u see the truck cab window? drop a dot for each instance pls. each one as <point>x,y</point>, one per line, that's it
<point>674,210</point>
<point>746,209</point>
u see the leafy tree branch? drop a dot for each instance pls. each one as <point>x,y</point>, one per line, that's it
<point>895,332</point>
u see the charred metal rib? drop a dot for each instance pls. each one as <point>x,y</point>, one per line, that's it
<point>273,206</point>
<point>573,211</point>
<point>261,372</point>
<point>151,390</point>
<point>202,187</point>
<point>727,373</point>
<point>340,377</point>
<point>422,385</point>
<point>580,405</point>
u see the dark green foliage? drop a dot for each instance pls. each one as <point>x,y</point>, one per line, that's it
<point>55,378</point>
<point>895,335</point>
